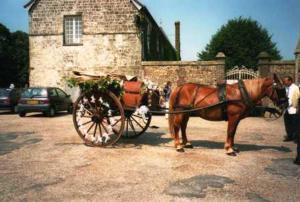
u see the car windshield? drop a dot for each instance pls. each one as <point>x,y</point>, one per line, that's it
<point>34,92</point>
<point>4,92</point>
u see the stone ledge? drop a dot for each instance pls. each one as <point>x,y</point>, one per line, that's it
<point>85,33</point>
<point>278,62</point>
<point>182,63</point>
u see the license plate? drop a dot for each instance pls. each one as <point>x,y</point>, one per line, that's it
<point>32,102</point>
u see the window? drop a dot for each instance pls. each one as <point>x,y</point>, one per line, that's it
<point>34,92</point>
<point>72,30</point>
<point>61,93</point>
<point>52,93</point>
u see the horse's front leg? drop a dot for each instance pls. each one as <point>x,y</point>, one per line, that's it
<point>233,122</point>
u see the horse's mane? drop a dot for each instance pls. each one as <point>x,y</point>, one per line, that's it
<point>256,87</point>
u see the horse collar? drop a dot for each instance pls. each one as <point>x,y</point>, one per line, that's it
<point>245,95</point>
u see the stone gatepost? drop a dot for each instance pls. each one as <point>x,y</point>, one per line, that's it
<point>264,64</point>
<point>220,59</point>
<point>297,62</point>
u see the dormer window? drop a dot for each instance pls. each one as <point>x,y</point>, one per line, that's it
<point>73,30</point>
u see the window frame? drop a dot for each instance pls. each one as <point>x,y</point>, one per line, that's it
<point>65,17</point>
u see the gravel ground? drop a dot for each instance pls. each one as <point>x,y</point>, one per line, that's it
<point>44,159</point>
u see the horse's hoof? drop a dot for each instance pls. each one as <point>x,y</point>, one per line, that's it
<point>188,146</point>
<point>236,149</point>
<point>231,154</point>
<point>180,150</point>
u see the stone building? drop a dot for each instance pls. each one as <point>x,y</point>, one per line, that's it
<point>93,36</point>
<point>118,36</point>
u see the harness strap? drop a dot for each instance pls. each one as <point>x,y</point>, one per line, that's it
<point>222,99</point>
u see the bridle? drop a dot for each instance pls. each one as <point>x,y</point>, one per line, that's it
<point>279,92</point>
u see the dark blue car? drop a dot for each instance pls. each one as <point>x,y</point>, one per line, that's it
<point>9,99</point>
<point>45,100</point>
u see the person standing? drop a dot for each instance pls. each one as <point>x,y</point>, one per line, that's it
<point>166,94</point>
<point>297,160</point>
<point>291,116</point>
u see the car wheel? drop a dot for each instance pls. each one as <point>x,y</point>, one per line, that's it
<point>22,114</point>
<point>51,112</point>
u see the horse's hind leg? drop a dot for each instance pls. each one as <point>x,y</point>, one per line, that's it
<point>184,123</point>
<point>177,126</point>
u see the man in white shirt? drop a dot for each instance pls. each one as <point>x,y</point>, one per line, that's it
<point>291,118</point>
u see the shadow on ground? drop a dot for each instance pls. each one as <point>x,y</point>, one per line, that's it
<point>16,140</point>
<point>242,147</point>
<point>41,115</point>
<point>150,138</point>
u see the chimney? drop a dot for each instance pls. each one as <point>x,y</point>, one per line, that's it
<point>177,39</point>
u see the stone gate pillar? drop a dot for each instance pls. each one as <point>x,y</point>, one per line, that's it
<point>263,64</point>
<point>297,62</point>
<point>220,58</point>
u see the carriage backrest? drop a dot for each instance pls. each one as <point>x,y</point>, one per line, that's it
<point>133,91</point>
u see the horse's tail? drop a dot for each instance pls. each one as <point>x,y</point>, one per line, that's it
<point>172,102</point>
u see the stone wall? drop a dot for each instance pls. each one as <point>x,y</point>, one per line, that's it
<point>110,40</point>
<point>50,62</point>
<point>282,68</point>
<point>267,67</point>
<point>179,72</point>
<point>99,16</point>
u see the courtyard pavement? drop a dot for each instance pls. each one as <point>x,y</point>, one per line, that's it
<point>43,159</point>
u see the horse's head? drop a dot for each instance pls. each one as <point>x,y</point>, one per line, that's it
<point>275,90</point>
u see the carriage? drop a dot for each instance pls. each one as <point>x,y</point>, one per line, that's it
<point>114,106</point>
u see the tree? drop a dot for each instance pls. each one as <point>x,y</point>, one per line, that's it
<point>14,57</point>
<point>20,44</point>
<point>241,40</point>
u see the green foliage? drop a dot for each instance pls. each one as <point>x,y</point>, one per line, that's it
<point>14,57</point>
<point>101,85</point>
<point>241,39</point>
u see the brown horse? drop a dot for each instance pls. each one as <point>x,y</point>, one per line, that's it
<point>238,101</point>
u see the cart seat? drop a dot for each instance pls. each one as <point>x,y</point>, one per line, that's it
<point>132,93</point>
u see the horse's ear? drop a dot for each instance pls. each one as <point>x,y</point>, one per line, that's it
<point>277,80</point>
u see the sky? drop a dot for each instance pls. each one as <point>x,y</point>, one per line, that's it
<point>200,19</point>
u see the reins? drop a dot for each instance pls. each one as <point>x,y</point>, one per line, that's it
<point>164,111</point>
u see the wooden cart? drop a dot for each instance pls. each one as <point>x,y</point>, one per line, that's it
<point>102,117</point>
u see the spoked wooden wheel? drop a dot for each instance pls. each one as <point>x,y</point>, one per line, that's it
<point>99,118</point>
<point>136,124</point>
